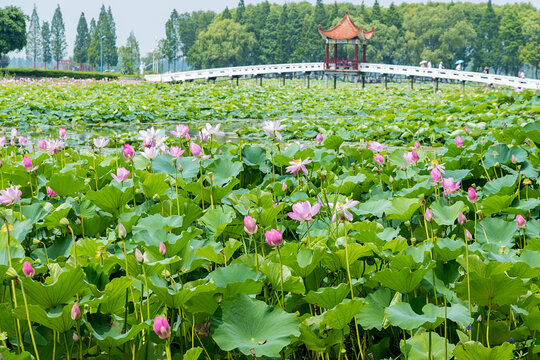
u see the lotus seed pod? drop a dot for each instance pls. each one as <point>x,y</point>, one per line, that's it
<point>64,222</point>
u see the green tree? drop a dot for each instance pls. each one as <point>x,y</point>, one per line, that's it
<point>12,30</point>
<point>226,14</point>
<point>110,51</point>
<point>530,55</point>
<point>487,47</point>
<point>190,26</point>
<point>225,43</point>
<point>511,37</point>
<point>283,48</point>
<point>46,43</point>
<point>319,13</point>
<point>58,36</point>
<point>269,44</point>
<point>33,38</point>
<point>172,42</point>
<point>82,41</point>
<point>240,11</point>
<point>393,17</point>
<point>376,12</point>
<point>94,46</point>
<point>130,54</point>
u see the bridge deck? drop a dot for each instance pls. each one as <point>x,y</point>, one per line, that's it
<point>256,70</point>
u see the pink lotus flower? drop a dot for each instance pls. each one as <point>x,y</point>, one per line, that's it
<point>379,159</point>
<point>297,165</point>
<point>2,141</point>
<point>213,130</point>
<point>250,226</point>
<point>341,210</point>
<point>75,337</point>
<point>75,312</point>
<point>468,235</point>
<point>435,176</point>
<point>100,142</point>
<point>449,186</point>
<point>161,327</point>
<point>195,150</point>
<point>62,132</point>
<point>273,128</point>
<point>176,151</point>
<point>459,142</point>
<point>10,196</point>
<point>42,145</point>
<point>54,146</point>
<point>436,165</point>
<point>416,145</point>
<point>303,211</point>
<point>181,131</point>
<point>14,132</point>
<point>408,158</point>
<point>162,249</point>
<point>514,159</point>
<point>28,270</point>
<point>520,222</point>
<point>153,138</point>
<point>462,220</point>
<point>274,237</point>
<point>51,193</point>
<point>27,164</point>
<point>466,129</point>
<point>428,215</point>
<point>150,153</point>
<point>318,139</point>
<point>375,146</point>
<point>128,151</point>
<point>122,174</point>
<point>471,195</point>
<point>22,140</point>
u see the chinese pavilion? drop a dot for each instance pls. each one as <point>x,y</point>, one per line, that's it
<point>346,33</point>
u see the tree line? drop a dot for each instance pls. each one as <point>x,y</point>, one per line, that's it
<point>504,38</point>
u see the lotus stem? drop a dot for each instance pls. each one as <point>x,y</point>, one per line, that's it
<point>147,292</point>
<point>281,277</point>
<point>202,185</point>
<point>256,254</point>
<point>29,321</point>
<point>176,188</point>
<point>12,290</point>
<point>487,325</point>
<point>168,350</point>
<point>74,244</point>
<point>445,330</point>
<point>352,292</point>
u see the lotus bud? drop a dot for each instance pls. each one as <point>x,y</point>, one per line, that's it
<point>28,270</point>
<point>62,132</point>
<point>139,256</point>
<point>161,327</point>
<point>319,138</point>
<point>162,249</point>
<point>75,337</point>
<point>379,159</point>
<point>51,193</point>
<point>42,145</point>
<point>274,237</point>
<point>520,222</point>
<point>165,274</point>
<point>414,156</point>
<point>284,186</point>
<point>514,159</point>
<point>436,175</point>
<point>471,195</point>
<point>11,274</point>
<point>218,298</point>
<point>64,222</point>
<point>180,167</point>
<point>75,312</point>
<point>128,151</point>
<point>407,223</point>
<point>250,226</point>
<point>459,141</point>
<point>428,215</point>
<point>416,145</point>
<point>479,318</point>
<point>462,220</point>
<point>122,233</point>
<point>195,149</point>
<point>468,235</point>
<point>27,163</point>
<point>466,129</point>
<point>391,179</point>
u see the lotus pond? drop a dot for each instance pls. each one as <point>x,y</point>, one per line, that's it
<point>204,221</point>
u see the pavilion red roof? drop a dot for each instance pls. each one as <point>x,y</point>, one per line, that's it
<point>345,30</point>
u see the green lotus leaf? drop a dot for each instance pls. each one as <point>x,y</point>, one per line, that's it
<point>237,278</point>
<point>372,316</point>
<point>176,296</point>
<point>497,289</point>
<point>58,319</point>
<point>444,214</point>
<point>501,186</point>
<point>417,347</point>
<point>403,281</point>
<point>224,171</point>
<point>154,185</point>
<point>328,297</point>
<point>342,314</point>
<point>254,156</point>
<point>402,208</point>
<point>193,353</point>
<point>496,231</point>
<point>216,220</point>
<point>66,184</point>
<point>291,283</point>
<point>496,203</point>
<point>218,254</point>
<point>246,324</point>
<point>473,350</point>
<point>61,291</point>
<point>110,198</point>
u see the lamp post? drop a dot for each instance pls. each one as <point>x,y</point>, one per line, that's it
<point>101,51</point>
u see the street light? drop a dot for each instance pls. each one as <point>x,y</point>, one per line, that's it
<point>101,50</point>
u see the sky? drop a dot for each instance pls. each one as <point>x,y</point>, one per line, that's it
<point>147,18</point>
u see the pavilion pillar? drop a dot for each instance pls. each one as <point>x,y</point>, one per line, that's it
<point>335,54</point>
<point>326,80</point>
<point>237,79</point>
<point>283,79</point>
<point>308,78</point>
<point>356,56</point>
<point>356,81</point>
<point>386,81</point>
<point>412,82</point>
<point>364,53</point>
<point>436,85</point>
<point>327,59</point>
<point>363,81</point>
<point>335,82</point>
<point>463,85</point>
<point>260,84</point>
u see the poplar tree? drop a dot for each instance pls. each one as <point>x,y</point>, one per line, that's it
<point>33,38</point>
<point>46,43</point>
<point>130,54</point>
<point>376,14</point>
<point>172,42</point>
<point>240,11</point>
<point>319,13</point>
<point>58,36</point>
<point>487,47</point>
<point>82,41</point>
<point>111,55</point>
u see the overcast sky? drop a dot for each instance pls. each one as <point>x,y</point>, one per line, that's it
<point>147,18</point>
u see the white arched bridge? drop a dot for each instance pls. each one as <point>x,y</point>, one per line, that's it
<point>363,69</point>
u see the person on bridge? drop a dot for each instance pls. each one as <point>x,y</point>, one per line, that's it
<point>441,66</point>
<point>458,67</point>
<point>486,70</point>
<point>429,64</point>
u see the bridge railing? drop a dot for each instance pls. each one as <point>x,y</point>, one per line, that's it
<point>403,70</point>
